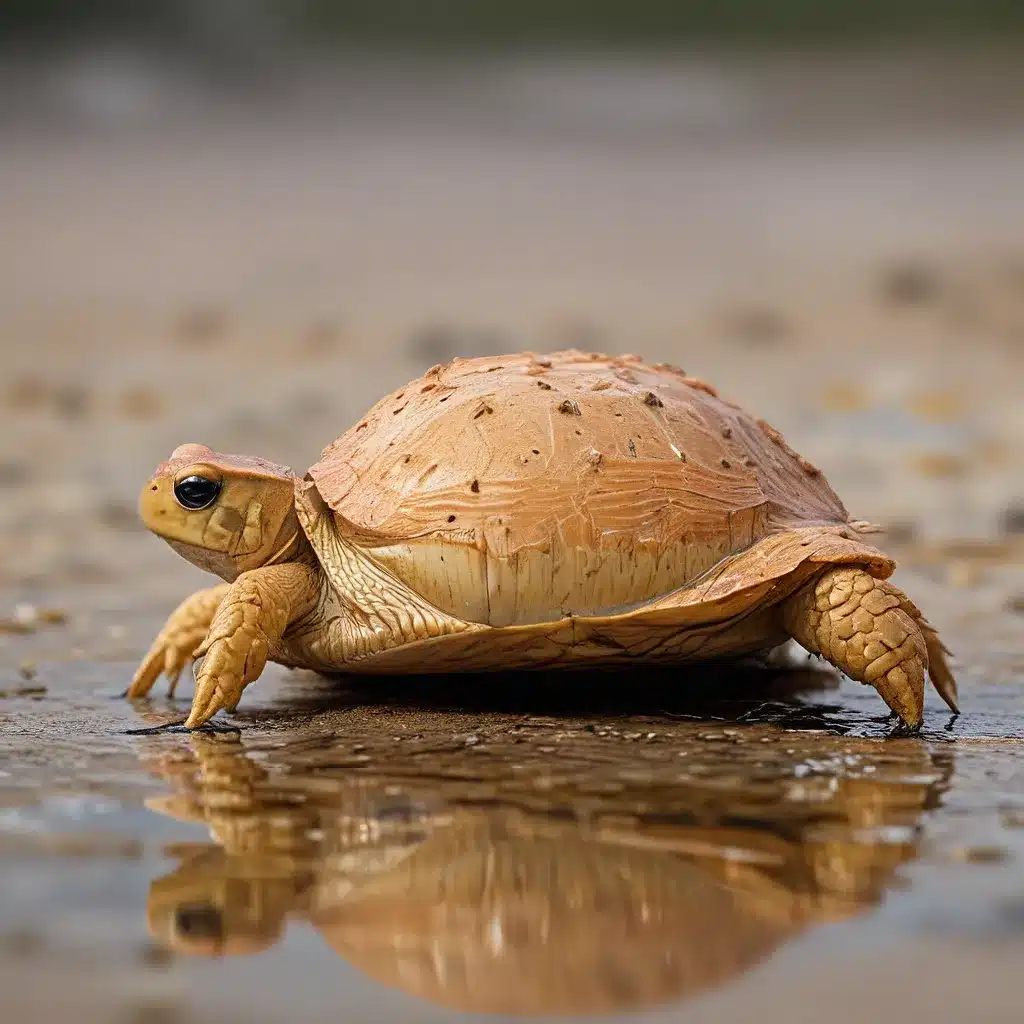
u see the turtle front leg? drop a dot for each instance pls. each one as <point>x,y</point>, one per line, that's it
<point>175,645</point>
<point>248,626</point>
<point>874,633</point>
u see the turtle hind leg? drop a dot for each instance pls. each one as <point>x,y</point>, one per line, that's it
<point>873,632</point>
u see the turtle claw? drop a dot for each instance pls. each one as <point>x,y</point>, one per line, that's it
<point>176,644</point>
<point>229,664</point>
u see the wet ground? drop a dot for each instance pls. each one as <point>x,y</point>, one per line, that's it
<point>508,849</point>
<point>845,260</point>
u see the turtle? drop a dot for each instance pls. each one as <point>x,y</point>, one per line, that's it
<point>523,512</point>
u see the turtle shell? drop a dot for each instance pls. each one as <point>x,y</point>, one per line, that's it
<point>526,488</point>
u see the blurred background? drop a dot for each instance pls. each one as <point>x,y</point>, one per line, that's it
<point>242,223</point>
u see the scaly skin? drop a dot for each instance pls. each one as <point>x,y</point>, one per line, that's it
<point>247,627</point>
<point>176,644</point>
<point>873,632</point>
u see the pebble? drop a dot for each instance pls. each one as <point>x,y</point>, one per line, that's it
<point>27,393</point>
<point>938,465</point>
<point>140,403</point>
<point>937,406</point>
<point>911,284</point>
<point>980,855</point>
<point>1012,817</point>
<point>71,402</point>
<point>201,326</point>
<point>31,616</point>
<point>963,574</point>
<point>320,340</point>
<point>153,955</point>
<point>1012,520</point>
<point>759,325</point>
<point>12,627</point>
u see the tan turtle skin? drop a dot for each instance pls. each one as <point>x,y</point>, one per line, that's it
<point>525,512</point>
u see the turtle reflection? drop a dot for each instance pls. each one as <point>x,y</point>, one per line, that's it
<point>604,890</point>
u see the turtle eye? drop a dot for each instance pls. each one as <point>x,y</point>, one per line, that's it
<point>196,492</point>
<point>199,921</point>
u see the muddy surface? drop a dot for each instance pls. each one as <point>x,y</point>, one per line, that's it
<point>179,265</point>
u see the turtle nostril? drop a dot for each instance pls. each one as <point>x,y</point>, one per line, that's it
<point>199,921</point>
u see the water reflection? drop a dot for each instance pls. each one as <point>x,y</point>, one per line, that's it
<point>535,865</point>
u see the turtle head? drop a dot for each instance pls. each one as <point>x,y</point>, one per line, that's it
<point>223,513</point>
<point>210,907</point>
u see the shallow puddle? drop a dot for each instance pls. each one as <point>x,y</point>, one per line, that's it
<point>581,853</point>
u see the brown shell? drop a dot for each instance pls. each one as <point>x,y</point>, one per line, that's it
<point>562,484</point>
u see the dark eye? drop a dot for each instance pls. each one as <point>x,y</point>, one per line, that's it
<point>199,921</point>
<point>196,492</point>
